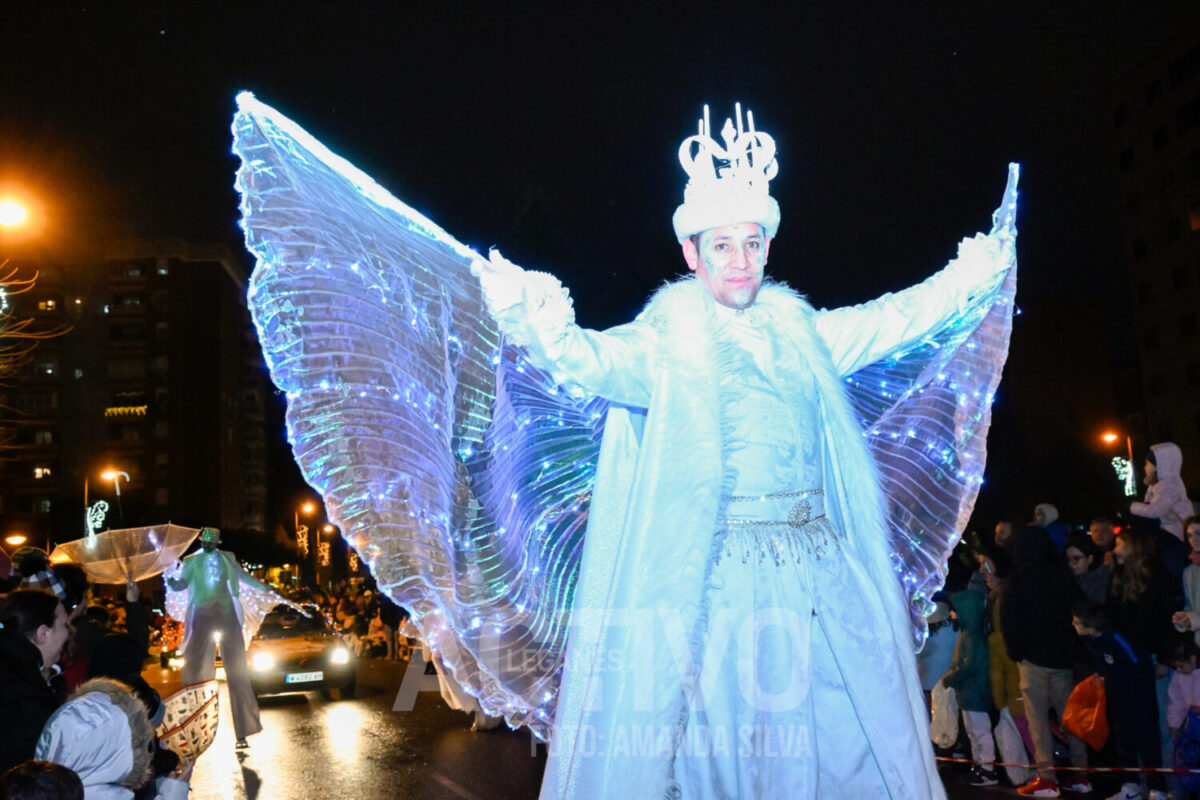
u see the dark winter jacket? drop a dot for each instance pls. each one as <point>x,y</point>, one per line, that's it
<point>1036,603</point>
<point>968,674</point>
<point>1146,621</point>
<point>26,698</point>
<point>1121,662</point>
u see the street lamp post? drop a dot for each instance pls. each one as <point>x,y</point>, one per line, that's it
<point>325,551</point>
<point>1110,437</point>
<point>306,508</point>
<point>1125,472</point>
<point>115,476</point>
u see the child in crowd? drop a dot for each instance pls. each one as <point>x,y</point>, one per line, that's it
<point>104,734</point>
<point>1189,618</point>
<point>1184,693</point>
<point>970,679</point>
<point>1132,706</point>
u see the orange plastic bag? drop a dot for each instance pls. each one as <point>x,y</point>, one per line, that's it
<point>1084,716</point>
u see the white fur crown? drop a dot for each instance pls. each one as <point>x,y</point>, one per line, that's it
<point>727,184</point>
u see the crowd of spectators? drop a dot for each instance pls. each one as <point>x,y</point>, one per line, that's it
<point>80,718</point>
<point>1037,608</point>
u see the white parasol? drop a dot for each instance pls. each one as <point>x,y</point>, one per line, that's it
<point>127,554</point>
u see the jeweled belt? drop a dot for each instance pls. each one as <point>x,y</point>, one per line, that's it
<point>805,530</point>
<point>808,505</point>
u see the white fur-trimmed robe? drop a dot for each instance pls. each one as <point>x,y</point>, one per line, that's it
<point>640,616</point>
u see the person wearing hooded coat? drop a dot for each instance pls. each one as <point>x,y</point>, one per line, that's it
<point>104,734</point>
<point>1035,620</point>
<point>1166,497</point>
<point>970,679</point>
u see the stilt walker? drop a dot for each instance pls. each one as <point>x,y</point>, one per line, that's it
<point>215,582</point>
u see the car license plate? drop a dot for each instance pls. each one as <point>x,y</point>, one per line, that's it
<point>303,677</point>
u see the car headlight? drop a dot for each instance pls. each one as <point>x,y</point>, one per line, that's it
<point>263,662</point>
<point>340,655</point>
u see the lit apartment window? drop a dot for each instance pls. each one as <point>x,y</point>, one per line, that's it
<point>41,472</point>
<point>47,305</point>
<point>46,368</point>
<point>78,373</point>
<point>41,505</point>
<point>43,437</point>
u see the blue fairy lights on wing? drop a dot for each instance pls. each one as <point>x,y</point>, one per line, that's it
<point>459,473</point>
<point>926,413</point>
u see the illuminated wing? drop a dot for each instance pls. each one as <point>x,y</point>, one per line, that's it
<point>927,411</point>
<point>457,471</point>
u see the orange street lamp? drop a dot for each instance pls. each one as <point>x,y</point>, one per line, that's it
<point>306,508</point>
<point>15,539</point>
<point>115,476</point>
<point>1112,437</point>
<point>12,213</point>
<point>1124,469</point>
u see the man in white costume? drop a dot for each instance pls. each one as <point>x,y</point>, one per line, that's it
<point>738,630</point>
<point>214,581</point>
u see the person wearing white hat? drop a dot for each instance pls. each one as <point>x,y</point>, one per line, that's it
<point>738,629</point>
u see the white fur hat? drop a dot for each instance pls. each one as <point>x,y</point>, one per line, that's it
<point>727,184</point>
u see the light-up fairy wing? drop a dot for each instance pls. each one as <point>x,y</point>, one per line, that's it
<point>927,410</point>
<point>457,471</point>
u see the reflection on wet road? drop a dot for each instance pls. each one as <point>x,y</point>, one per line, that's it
<point>313,746</point>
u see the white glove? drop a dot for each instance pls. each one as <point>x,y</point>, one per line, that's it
<point>502,282</point>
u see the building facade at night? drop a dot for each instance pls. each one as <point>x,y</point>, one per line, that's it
<point>160,378</point>
<point>1155,116</point>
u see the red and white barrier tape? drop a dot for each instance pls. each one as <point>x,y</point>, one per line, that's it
<point>1169,770</point>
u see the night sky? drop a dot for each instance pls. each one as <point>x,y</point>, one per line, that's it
<point>551,131</point>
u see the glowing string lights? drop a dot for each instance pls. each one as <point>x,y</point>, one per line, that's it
<point>95,516</point>
<point>1126,474</point>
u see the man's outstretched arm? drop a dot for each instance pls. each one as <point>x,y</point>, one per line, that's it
<point>862,334</point>
<point>534,312</point>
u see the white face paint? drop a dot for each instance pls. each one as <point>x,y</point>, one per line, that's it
<point>730,261</point>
